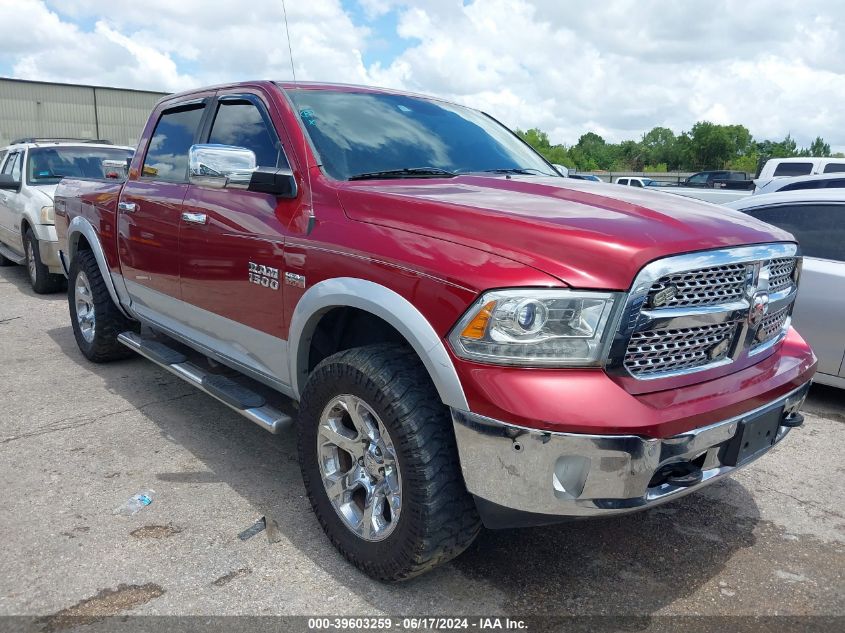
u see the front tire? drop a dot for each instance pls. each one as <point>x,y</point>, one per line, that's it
<point>42,280</point>
<point>380,465</point>
<point>96,320</point>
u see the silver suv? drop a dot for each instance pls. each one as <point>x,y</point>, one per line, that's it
<point>30,169</point>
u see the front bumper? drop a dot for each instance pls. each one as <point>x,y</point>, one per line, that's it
<point>521,476</point>
<point>49,252</point>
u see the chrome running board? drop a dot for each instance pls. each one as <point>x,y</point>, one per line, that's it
<point>243,400</point>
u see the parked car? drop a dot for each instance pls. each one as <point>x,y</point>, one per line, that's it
<point>719,179</point>
<point>800,166</point>
<point>816,217</point>
<point>591,177</point>
<point>470,337</point>
<point>635,181</point>
<point>796,183</point>
<point>30,169</point>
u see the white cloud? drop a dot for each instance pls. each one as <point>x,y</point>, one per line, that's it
<point>618,67</point>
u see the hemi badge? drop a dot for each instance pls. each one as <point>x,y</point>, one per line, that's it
<point>292,279</point>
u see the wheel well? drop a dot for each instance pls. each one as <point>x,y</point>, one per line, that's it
<point>24,229</point>
<point>343,328</point>
<point>81,244</point>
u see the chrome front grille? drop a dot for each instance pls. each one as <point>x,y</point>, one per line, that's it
<point>660,351</point>
<point>780,273</point>
<point>693,312</point>
<point>706,286</point>
<point>771,326</point>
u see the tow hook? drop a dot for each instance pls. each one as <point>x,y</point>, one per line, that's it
<point>681,474</point>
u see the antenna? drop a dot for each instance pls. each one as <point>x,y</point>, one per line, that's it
<point>290,49</point>
<point>311,218</point>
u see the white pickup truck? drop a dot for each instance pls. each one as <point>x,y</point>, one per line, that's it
<point>30,169</point>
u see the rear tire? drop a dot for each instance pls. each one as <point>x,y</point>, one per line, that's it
<point>96,320</point>
<point>434,519</point>
<point>42,281</point>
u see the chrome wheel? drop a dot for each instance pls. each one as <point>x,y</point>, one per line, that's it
<point>359,468</point>
<point>84,301</point>
<point>30,262</point>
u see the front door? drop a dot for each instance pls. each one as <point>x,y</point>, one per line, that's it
<point>149,215</point>
<point>10,234</point>
<point>232,244</point>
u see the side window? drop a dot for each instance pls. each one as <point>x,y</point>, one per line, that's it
<point>13,165</point>
<point>622,181</point>
<point>3,153</point>
<point>167,155</point>
<point>240,123</point>
<point>698,179</point>
<point>819,228</point>
<point>834,168</point>
<point>793,169</point>
<point>807,184</point>
<point>636,183</point>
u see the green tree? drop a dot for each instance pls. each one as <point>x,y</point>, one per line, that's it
<point>659,146</point>
<point>819,148</point>
<point>714,146</point>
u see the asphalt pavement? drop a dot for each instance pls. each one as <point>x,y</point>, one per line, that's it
<point>77,440</point>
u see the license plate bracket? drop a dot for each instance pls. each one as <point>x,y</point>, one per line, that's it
<point>753,434</point>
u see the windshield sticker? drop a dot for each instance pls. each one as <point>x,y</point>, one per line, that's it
<point>403,108</point>
<point>308,117</point>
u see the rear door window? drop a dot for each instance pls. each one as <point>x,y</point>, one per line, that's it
<point>793,169</point>
<point>242,124</point>
<point>834,168</point>
<point>819,228</point>
<point>167,154</point>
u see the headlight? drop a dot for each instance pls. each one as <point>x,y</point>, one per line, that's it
<point>535,327</point>
<point>48,216</point>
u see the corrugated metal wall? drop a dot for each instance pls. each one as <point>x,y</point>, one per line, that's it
<point>40,109</point>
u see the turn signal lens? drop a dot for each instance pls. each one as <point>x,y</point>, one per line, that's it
<point>477,327</point>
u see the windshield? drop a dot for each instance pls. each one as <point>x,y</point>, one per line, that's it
<point>48,165</point>
<point>359,133</point>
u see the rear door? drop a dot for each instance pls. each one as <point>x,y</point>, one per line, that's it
<point>818,314</point>
<point>232,244</point>
<point>149,213</point>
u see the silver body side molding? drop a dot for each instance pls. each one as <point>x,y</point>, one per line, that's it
<point>385,304</point>
<point>257,354</point>
<point>79,226</point>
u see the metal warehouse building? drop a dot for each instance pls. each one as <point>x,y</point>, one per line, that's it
<point>42,109</point>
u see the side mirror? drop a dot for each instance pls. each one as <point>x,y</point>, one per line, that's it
<point>221,166</point>
<point>8,183</point>
<point>279,182</point>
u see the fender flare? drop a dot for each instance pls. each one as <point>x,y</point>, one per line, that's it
<point>388,306</point>
<point>79,226</point>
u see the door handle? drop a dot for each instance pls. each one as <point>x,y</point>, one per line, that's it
<point>194,218</point>
<point>127,207</point>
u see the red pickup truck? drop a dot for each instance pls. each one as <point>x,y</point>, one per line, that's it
<point>471,338</point>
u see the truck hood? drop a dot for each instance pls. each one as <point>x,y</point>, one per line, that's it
<point>587,234</point>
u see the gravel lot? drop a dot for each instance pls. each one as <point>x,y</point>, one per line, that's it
<point>77,440</point>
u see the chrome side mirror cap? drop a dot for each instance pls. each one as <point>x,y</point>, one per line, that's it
<point>221,166</point>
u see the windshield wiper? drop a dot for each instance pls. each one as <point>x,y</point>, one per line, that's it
<point>525,171</point>
<point>407,172</point>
